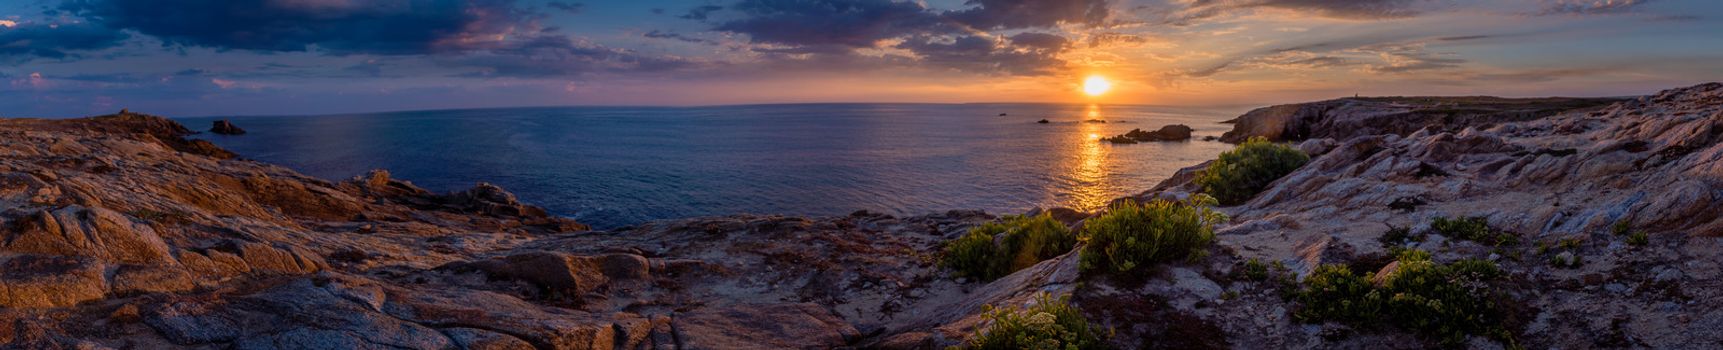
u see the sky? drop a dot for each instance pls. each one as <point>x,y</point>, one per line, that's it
<point>63,58</point>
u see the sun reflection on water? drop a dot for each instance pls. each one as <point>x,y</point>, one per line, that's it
<point>1089,176</point>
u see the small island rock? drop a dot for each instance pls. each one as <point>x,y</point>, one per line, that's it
<point>225,127</point>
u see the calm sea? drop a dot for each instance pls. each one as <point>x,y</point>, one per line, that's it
<point>619,166</point>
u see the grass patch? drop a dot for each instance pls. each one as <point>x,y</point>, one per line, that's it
<point>1130,235</point>
<point>1474,228</point>
<point>1635,238</point>
<point>1443,302</point>
<point>1638,239</point>
<point>1026,240</point>
<point>1397,237</point>
<point>1243,172</point>
<point>1052,323</point>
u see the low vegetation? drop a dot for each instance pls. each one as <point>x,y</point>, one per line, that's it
<point>1239,174</point>
<point>1474,228</point>
<point>1445,302</point>
<point>1134,235</point>
<point>1398,237</point>
<point>996,249</point>
<point>1635,238</point>
<point>1051,323</point>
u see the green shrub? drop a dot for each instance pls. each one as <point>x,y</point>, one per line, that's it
<point>1474,228</point>
<point>1027,240</point>
<point>1446,302</point>
<point>1132,235</point>
<point>1243,172</point>
<point>1333,292</point>
<point>1052,323</point>
<point>1620,227</point>
<point>1255,270</point>
<point>1638,239</point>
<point>1397,237</point>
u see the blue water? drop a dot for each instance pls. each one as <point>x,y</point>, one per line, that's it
<point>619,166</point>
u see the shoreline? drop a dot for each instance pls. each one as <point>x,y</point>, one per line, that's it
<point>168,242</point>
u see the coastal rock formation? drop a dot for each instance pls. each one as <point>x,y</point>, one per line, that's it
<point>225,127</point>
<point>1175,132</point>
<point>117,232</point>
<point>1570,188</point>
<point>1349,117</point>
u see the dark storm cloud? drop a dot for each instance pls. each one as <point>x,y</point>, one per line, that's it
<point>335,26</point>
<point>1016,14</point>
<point>33,40</point>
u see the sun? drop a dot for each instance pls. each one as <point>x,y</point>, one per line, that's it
<point>1096,85</point>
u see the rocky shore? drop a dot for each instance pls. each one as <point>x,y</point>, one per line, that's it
<point>120,232</point>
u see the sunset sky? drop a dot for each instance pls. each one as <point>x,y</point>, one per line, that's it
<point>273,57</point>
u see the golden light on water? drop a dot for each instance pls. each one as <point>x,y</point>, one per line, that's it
<point>1096,85</point>
<point>1089,175</point>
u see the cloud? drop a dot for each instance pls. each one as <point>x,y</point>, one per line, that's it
<point>1018,14</point>
<point>807,30</point>
<point>56,41</point>
<point>1024,54</point>
<point>569,7</point>
<point>1591,7</point>
<point>1198,10</point>
<point>1116,39</point>
<point>848,23</point>
<point>698,13</point>
<point>678,37</point>
<point>333,26</point>
<point>560,56</point>
<point>1465,37</point>
<point>1404,58</point>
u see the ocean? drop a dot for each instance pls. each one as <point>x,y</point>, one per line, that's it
<point>612,167</point>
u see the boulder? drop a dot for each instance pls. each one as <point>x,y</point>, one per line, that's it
<point>38,281</point>
<point>479,339</point>
<point>775,326</point>
<point>558,273</point>
<point>134,279</point>
<point>98,233</point>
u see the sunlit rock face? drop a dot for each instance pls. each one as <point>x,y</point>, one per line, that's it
<point>120,233</point>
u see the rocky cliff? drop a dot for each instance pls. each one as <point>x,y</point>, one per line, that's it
<point>118,232</point>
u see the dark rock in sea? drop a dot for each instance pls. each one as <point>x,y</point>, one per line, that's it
<point>1174,132</point>
<point>1095,121</point>
<point>1003,114</point>
<point>1043,121</point>
<point>1211,138</point>
<point>225,127</point>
